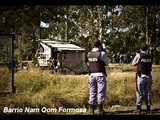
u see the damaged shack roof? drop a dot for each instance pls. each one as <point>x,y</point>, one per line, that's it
<point>61,46</point>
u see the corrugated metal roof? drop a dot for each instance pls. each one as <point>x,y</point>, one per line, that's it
<point>62,46</point>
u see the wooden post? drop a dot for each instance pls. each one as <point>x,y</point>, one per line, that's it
<point>40,33</point>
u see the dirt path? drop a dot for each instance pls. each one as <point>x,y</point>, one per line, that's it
<point>131,112</point>
<point>125,110</point>
<point>114,110</point>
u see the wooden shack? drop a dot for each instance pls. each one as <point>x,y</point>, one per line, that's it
<point>69,57</point>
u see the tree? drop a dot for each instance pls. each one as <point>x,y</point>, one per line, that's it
<point>121,27</point>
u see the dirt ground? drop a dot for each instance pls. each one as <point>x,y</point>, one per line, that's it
<point>125,110</point>
<point>114,110</point>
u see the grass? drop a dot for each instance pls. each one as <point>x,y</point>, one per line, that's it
<point>39,88</point>
<point>5,79</point>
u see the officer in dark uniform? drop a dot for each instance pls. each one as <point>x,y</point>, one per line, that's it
<point>143,61</point>
<point>97,76</point>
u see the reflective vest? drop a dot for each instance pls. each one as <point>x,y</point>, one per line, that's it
<point>145,64</point>
<point>95,64</point>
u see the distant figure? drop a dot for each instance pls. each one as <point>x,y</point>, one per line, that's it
<point>157,56</point>
<point>97,77</point>
<point>53,65</point>
<point>114,56</point>
<point>143,61</point>
<point>121,57</point>
<point>117,58</point>
<point>129,59</point>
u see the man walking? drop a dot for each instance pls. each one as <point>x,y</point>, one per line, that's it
<point>143,61</point>
<point>97,76</point>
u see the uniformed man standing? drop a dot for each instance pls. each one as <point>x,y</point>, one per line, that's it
<point>143,61</point>
<point>97,77</point>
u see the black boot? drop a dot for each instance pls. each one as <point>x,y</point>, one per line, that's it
<point>138,110</point>
<point>91,109</point>
<point>148,109</point>
<point>100,109</point>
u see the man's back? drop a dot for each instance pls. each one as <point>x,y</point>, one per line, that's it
<point>145,64</point>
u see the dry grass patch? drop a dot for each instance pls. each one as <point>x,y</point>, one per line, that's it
<point>39,88</point>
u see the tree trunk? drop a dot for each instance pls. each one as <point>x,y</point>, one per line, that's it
<point>99,12</point>
<point>66,23</point>
<point>148,31</point>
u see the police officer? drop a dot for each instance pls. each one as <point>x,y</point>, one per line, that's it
<point>97,77</point>
<point>143,61</point>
